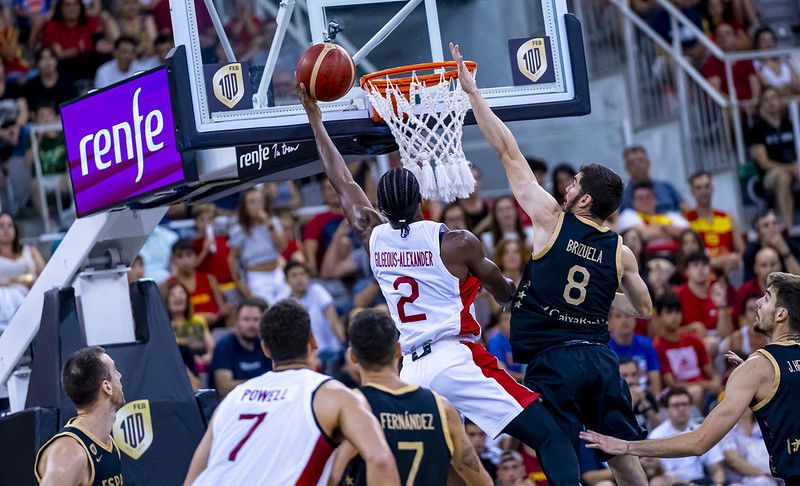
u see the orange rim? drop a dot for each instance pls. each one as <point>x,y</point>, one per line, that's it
<point>379,79</point>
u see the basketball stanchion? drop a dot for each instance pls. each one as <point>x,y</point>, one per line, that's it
<point>425,113</point>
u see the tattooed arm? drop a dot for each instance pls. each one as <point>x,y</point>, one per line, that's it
<point>464,460</point>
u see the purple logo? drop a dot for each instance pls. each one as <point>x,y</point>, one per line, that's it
<point>121,143</point>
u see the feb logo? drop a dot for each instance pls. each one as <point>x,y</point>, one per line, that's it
<point>229,84</point>
<point>133,429</point>
<point>532,59</point>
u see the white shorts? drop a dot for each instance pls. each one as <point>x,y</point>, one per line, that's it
<point>267,285</point>
<point>469,376</point>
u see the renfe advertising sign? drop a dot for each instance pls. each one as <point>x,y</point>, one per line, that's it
<point>121,143</point>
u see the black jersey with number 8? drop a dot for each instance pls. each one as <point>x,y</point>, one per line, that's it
<point>567,288</point>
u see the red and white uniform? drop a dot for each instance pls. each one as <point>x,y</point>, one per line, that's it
<point>265,432</point>
<point>438,332</point>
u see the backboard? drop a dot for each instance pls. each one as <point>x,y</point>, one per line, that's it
<point>232,72</point>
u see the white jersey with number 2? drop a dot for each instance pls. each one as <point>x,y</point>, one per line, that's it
<point>426,301</point>
<point>264,432</point>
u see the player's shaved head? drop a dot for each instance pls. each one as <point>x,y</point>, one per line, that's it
<point>373,338</point>
<point>286,331</point>
<point>399,196</point>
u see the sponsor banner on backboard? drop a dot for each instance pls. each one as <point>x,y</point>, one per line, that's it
<point>121,143</point>
<point>254,161</point>
<point>531,60</point>
<point>228,86</point>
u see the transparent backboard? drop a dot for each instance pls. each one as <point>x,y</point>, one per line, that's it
<point>240,55</point>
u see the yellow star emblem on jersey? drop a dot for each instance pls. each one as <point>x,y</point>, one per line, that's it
<point>517,305</point>
<point>348,480</point>
<point>521,295</point>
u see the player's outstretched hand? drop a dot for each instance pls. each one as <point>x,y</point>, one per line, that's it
<point>733,359</point>
<point>465,77</point>
<point>310,105</point>
<point>609,445</point>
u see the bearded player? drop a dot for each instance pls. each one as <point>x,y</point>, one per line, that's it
<point>559,320</point>
<point>430,276</point>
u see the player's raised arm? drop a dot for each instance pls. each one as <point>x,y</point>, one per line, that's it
<point>355,203</point>
<point>537,203</point>
<point>463,254</point>
<point>637,300</point>
<point>742,387</point>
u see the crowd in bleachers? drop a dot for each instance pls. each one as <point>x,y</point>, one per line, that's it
<point>704,270</point>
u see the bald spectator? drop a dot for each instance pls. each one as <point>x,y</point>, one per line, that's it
<point>659,229</point>
<point>767,261</point>
<point>769,235</point>
<point>720,232</point>
<point>637,164</point>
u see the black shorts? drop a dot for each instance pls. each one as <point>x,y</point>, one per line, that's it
<point>581,386</point>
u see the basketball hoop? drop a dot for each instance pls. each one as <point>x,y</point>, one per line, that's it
<point>425,113</point>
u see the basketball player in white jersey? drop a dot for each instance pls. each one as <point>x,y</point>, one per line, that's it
<point>283,426</point>
<point>430,276</point>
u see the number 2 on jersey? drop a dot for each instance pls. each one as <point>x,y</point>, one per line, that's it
<point>572,285</point>
<point>401,311</point>
<point>247,416</point>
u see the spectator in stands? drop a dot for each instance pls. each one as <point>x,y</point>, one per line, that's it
<point>203,288</point>
<point>13,117</point>
<point>745,82</point>
<point>562,176</point>
<point>511,256</point>
<point>255,243</point>
<point>629,345</point>
<point>775,72</point>
<point>637,165</point>
<point>539,169</point>
<point>246,31</point>
<point>769,235</point>
<point>746,456</point>
<point>718,12</point>
<point>655,472</point>
<point>705,307</point>
<point>238,357</point>
<point>191,330</point>
<point>594,472</point>
<point>476,208</point>
<point>30,17</point>
<point>477,438</point>
<point>50,85</point>
<point>688,242</point>
<point>678,404</point>
<point>19,266</point>
<point>683,357</point>
<point>511,470</point>
<point>500,346</point>
<point>130,21</point>
<point>157,253</point>
<point>661,22</point>
<point>658,229</point>
<point>163,44</point>
<point>319,231</point>
<point>136,272</point>
<point>212,250</point>
<point>79,40</point>
<point>643,402</point>
<point>123,66</point>
<point>720,232</point>
<point>53,158</point>
<point>454,217</point>
<point>772,147</point>
<point>745,340</point>
<point>660,272</point>
<point>325,323</point>
<point>767,261</point>
<point>283,196</point>
<point>632,238</point>
<point>10,50</point>
<point>506,225</point>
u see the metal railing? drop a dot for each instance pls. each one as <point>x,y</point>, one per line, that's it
<point>42,185</point>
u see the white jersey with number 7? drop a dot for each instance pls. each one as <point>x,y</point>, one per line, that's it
<point>265,432</point>
<point>426,301</point>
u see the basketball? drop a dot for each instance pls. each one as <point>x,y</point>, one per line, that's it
<point>327,71</point>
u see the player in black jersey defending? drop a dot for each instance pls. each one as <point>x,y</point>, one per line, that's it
<point>559,318</point>
<point>768,382</point>
<point>423,429</point>
<point>83,452</point>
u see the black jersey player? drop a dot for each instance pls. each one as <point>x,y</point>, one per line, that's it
<point>768,382</point>
<point>423,429</point>
<point>559,318</point>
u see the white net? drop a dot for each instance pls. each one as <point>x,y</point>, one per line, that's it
<point>428,127</point>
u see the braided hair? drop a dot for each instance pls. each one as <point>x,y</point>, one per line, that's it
<point>399,197</point>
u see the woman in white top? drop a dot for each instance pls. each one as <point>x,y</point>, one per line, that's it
<point>19,266</point>
<point>775,72</point>
<point>506,225</point>
<point>255,245</point>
